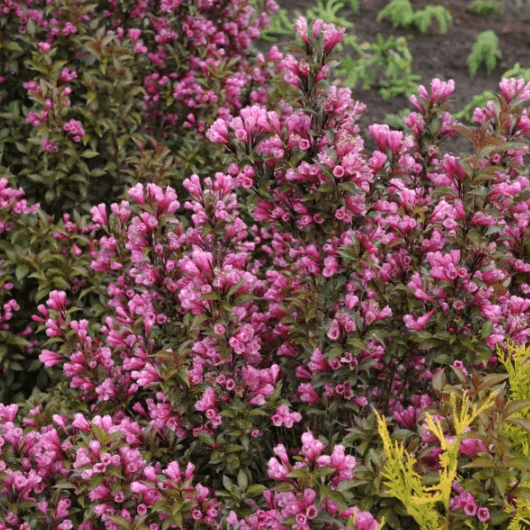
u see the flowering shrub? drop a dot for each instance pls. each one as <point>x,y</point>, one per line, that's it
<point>94,80</point>
<point>253,321</point>
<point>97,97</point>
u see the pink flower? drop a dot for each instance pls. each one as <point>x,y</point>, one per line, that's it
<point>460,366</point>
<point>208,400</point>
<point>417,324</point>
<point>406,418</point>
<point>50,358</point>
<point>284,417</point>
<point>471,446</point>
<point>75,128</point>
<point>441,90</point>
<point>276,471</point>
<point>380,133</point>
<point>49,146</point>
<point>365,521</point>
<point>334,331</point>
<point>470,509</point>
<point>307,393</point>
<point>311,447</point>
<point>301,29</point>
<point>80,422</point>
<point>99,214</point>
<point>218,132</point>
<point>483,514</point>
<point>332,36</point>
<point>511,88</point>
<point>135,34</point>
<point>137,193</point>
<point>361,401</point>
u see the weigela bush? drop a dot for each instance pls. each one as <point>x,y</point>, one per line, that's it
<point>93,81</point>
<point>98,97</point>
<point>251,327</point>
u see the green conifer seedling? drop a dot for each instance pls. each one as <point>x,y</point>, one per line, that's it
<point>423,18</point>
<point>402,15</point>
<point>486,49</point>
<point>487,8</point>
<point>400,11</point>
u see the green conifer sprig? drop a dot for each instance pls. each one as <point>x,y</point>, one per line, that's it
<point>485,50</point>
<point>402,15</point>
<point>487,8</point>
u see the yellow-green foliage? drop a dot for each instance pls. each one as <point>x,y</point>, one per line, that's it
<point>517,364</point>
<point>523,510</point>
<point>406,485</point>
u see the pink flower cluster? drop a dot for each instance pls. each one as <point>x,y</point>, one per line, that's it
<point>127,486</point>
<point>75,128</point>
<point>466,502</point>
<point>300,504</point>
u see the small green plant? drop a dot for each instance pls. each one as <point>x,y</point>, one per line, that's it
<point>485,50</point>
<point>392,55</point>
<point>487,8</point>
<point>402,15</point>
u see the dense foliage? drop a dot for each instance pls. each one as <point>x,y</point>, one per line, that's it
<point>97,97</point>
<point>225,347</point>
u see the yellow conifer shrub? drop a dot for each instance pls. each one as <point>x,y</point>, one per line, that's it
<point>405,483</point>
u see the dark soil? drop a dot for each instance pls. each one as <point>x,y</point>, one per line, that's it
<point>435,55</point>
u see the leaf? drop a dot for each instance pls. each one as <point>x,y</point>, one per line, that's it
<point>227,483</point>
<point>486,330</point>
<point>482,461</point>
<point>334,495</point>
<point>63,485</point>
<point>242,480</point>
<point>21,271</point>
<point>515,405</point>
<point>443,358</point>
<point>89,153</point>
<point>492,380</point>
<point>61,283</point>
<point>120,521</point>
<point>206,438</point>
<point>502,484</point>
<point>255,490</point>
<point>346,485</point>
